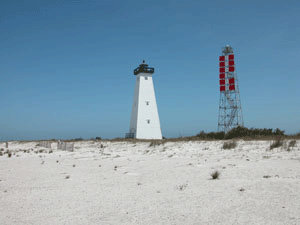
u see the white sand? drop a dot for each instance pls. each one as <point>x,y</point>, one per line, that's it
<point>136,184</point>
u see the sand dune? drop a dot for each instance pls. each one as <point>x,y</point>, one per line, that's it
<point>134,183</point>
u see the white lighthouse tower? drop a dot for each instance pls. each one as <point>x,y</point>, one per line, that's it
<point>144,123</point>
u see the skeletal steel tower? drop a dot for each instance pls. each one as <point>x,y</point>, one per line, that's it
<point>230,109</point>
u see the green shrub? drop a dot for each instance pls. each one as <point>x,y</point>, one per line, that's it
<point>292,143</point>
<point>237,132</point>
<point>253,133</point>
<point>277,143</point>
<point>211,135</point>
<point>215,175</point>
<point>156,143</point>
<point>229,145</point>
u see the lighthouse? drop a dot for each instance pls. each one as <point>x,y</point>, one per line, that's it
<point>144,122</point>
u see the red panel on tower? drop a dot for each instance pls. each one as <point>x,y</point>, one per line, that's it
<point>222,70</point>
<point>231,81</point>
<point>230,57</point>
<point>231,63</point>
<point>222,88</point>
<point>230,69</point>
<point>222,82</point>
<point>222,76</point>
<point>222,58</point>
<point>231,87</point>
<point>222,64</point>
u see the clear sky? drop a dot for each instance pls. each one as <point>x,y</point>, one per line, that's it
<point>66,67</point>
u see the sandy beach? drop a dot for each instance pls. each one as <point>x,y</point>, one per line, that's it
<point>135,183</point>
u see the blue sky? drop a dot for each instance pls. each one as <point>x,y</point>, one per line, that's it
<point>66,67</point>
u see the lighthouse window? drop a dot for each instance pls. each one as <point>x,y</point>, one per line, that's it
<point>146,78</point>
<point>148,121</point>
